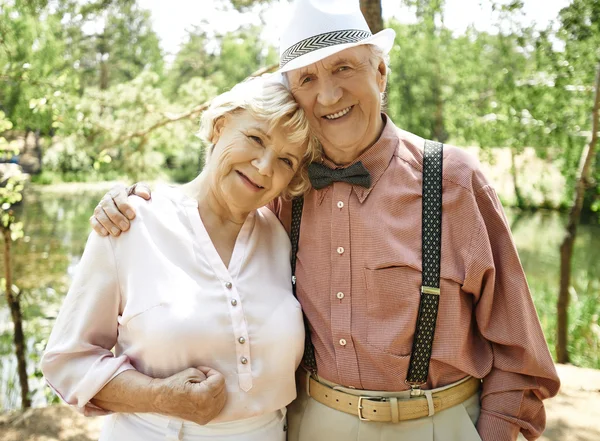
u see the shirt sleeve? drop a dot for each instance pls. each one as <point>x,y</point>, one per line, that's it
<point>78,361</point>
<point>522,372</point>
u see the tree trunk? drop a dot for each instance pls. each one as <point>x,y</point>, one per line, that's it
<point>103,74</point>
<point>371,9</point>
<point>513,172</point>
<point>439,129</point>
<point>15,311</point>
<point>566,248</point>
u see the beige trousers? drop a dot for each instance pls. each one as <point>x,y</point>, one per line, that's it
<point>309,420</point>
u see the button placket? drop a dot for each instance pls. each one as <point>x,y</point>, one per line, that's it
<point>341,276</point>
<point>242,349</point>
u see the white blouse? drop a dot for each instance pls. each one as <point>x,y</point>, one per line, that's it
<point>162,297</point>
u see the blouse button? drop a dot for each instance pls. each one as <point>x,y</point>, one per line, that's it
<point>234,302</point>
<point>340,250</point>
<point>343,342</point>
<point>228,285</point>
<point>340,295</point>
<point>244,360</point>
<point>340,204</point>
<point>242,340</point>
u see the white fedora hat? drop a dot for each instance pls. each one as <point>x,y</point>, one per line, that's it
<point>320,28</point>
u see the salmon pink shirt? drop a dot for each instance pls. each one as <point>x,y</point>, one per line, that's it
<point>359,283</point>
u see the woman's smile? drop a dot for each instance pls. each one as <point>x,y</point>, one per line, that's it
<point>249,182</point>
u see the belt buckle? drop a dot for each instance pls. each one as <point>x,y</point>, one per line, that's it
<point>360,407</point>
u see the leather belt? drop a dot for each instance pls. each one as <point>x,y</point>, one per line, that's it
<point>381,409</point>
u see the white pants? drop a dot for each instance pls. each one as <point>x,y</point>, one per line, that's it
<point>310,420</point>
<point>154,427</point>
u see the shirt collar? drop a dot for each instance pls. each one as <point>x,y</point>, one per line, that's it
<point>376,159</point>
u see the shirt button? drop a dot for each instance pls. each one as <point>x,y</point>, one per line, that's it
<point>340,295</point>
<point>244,360</point>
<point>343,342</point>
<point>228,285</point>
<point>242,340</point>
<point>234,302</point>
<point>340,250</point>
<point>340,204</point>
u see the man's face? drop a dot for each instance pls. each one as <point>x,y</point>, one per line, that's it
<point>341,96</point>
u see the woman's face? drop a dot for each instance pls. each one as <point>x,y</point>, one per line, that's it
<point>251,166</point>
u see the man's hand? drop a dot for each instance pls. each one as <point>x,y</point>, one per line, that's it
<point>196,395</point>
<point>113,212</point>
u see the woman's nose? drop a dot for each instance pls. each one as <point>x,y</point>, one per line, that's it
<point>264,164</point>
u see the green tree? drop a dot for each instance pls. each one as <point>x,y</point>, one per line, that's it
<point>11,194</point>
<point>224,60</point>
<point>580,31</point>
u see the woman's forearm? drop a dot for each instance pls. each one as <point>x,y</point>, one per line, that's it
<point>130,391</point>
<point>195,394</point>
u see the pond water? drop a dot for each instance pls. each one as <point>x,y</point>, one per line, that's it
<point>56,228</point>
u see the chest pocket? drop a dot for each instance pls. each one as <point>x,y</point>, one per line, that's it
<point>392,306</point>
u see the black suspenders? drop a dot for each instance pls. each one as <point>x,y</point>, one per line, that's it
<point>308,359</point>
<point>431,251</point>
<point>431,248</point>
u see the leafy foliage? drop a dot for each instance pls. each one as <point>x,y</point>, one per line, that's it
<point>90,76</point>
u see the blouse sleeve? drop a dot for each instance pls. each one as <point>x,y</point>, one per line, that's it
<point>522,373</point>
<point>78,361</point>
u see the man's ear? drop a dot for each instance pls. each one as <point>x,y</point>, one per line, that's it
<point>382,71</point>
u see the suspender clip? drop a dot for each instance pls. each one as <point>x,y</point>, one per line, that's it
<point>430,290</point>
<point>293,280</point>
<point>415,388</point>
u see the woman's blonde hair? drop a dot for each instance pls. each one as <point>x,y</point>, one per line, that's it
<point>268,100</point>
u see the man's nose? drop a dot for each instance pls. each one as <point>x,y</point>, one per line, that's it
<point>329,92</point>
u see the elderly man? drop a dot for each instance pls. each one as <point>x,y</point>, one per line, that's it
<point>420,323</point>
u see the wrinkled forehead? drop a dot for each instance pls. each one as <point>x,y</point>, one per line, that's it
<point>355,54</point>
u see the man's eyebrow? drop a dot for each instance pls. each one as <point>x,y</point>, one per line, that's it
<point>342,60</point>
<point>302,71</point>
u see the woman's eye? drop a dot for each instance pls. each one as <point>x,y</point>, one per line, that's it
<point>288,162</point>
<point>256,139</point>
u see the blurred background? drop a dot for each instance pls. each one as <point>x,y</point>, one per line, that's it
<point>98,91</point>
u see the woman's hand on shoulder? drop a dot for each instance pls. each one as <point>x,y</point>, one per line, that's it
<point>113,212</point>
<point>195,394</point>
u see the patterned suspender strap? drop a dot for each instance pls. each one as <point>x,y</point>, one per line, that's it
<point>431,250</point>
<point>308,360</point>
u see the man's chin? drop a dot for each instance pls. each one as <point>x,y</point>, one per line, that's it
<point>347,142</point>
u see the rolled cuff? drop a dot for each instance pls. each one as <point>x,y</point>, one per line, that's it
<point>493,428</point>
<point>78,392</point>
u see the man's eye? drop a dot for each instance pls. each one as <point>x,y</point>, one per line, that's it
<point>343,68</point>
<point>305,80</point>
<point>256,139</point>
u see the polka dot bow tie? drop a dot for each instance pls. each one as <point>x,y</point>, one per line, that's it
<point>322,176</point>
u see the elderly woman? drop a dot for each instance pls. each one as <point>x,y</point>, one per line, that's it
<point>197,300</point>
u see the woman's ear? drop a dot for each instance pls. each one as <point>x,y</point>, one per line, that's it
<point>217,130</point>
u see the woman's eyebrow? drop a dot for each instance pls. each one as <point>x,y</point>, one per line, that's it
<point>293,156</point>
<point>262,132</point>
